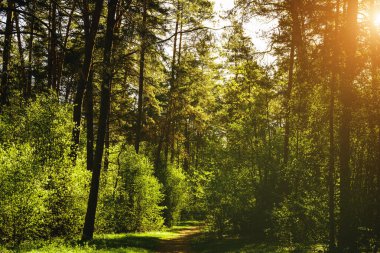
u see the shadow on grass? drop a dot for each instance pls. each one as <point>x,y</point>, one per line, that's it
<point>184,237</point>
<point>126,241</point>
<point>205,245</point>
<point>149,241</point>
<point>208,244</point>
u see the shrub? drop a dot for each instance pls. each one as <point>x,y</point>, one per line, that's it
<point>130,194</point>
<point>299,220</point>
<point>176,194</point>
<point>43,194</point>
<point>231,202</point>
<point>22,195</point>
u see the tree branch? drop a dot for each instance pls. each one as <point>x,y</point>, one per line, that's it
<point>180,32</point>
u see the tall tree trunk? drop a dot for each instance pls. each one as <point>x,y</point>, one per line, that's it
<point>30,54</point>
<point>88,229</point>
<point>141,77</point>
<point>164,139</point>
<point>169,124</point>
<point>170,133</point>
<point>295,44</point>
<point>186,159</point>
<point>172,141</point>
<point>331,163</point>
<point>6,55</point>
<point>108,133</point>
<point>287,103</point>
<point>107,146</point>
<point>290,85</point>
<point>61,59</point>
<point>90,34</point>
<point>174,56</point>
<point>187,155</point>
<point>331,171</point>
<point>346,234</point>
<point>90,121</point>
<point>180,35</point>
<point>52,56</point>
<point>377,225</point>
<point>375,117</point>
<point>24,78</point>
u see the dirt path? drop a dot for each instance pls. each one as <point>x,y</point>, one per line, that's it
<point>182,243</point>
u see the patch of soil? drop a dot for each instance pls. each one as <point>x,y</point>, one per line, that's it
<point>181,244</point>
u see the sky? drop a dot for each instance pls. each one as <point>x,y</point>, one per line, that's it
<point>256,28</point>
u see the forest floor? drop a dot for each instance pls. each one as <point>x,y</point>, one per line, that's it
<point>181,243</point>
<point>187,237</point>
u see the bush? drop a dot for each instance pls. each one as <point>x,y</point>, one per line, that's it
<point>43,194</point>
<point>231,201</point>
<point>299,220</point>
<point>176,194</point>
<point>130,194</point>
<point>22,195</point>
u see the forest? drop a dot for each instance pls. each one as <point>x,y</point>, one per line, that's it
<point>158,126</point>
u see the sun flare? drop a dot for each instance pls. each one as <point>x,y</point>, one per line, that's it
<point>376,20</point>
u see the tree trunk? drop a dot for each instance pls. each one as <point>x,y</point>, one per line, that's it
<point>141,78</point>
<point>164,139</point>
<point>377,225</point>
<point>107,146</point>
<point>374,120</point>
<point>61,59</point>
<point>6,55</point>
<point>331,172</point>
<point>295,44</point>
<point>90,31</point>
<point>108,133</point>
<point>287,104</point>
<point>88,229</point>
<point>24,78</point>
<point>30,56</point>
<point>90,121</point>
<point>346,234</point>
<point>186,159</point>
<point>331,163</point>
<point>52,56</point>
<point>290,86</point>
<point>170,133</point>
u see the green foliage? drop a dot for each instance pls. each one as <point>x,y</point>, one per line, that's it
<point>299,220</point>
<point>240,194</point>
<point>131,195</point>
<point>196,208</point>
<point>43,192</point>
<point>176,190</point>
<point>264,151</point>
<point>44,123</point>
<point>22,195</point>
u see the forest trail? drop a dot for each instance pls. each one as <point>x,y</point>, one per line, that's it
<point>181,243</point>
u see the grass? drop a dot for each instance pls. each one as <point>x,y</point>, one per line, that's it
<point>242,245</point>
<point>148,242</point>
<point>139,242</point>
<point>87,249</point>
<point>145,242</point>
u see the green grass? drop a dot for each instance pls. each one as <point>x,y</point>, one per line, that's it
<point>86,249</point>
<point>205,244</point>
<point>148,242</point>
<point>144,242</point>
<point>139,242</point>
